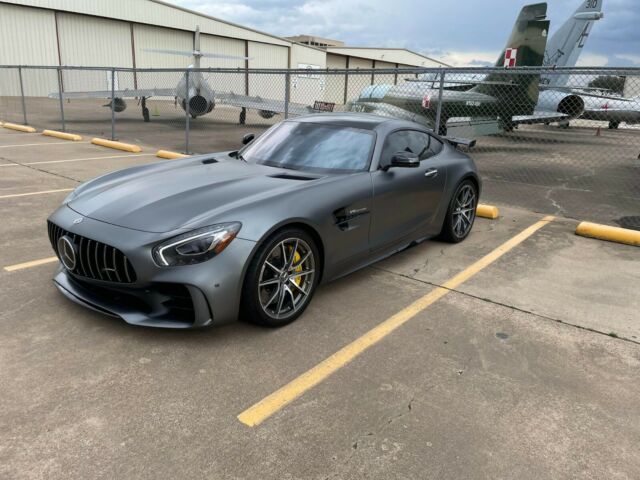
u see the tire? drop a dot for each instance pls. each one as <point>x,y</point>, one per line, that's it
<point>613,125</point>
<point>452,230</point>
<point>275,290</point>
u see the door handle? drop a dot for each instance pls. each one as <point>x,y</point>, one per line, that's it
<point>432,172</point>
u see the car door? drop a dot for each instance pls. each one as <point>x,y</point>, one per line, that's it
<point>406,199</point>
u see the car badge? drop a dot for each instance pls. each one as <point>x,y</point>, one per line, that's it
<point>67,252</point>
<point>77,220</point>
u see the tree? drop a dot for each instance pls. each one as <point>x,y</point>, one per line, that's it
<point>609,82</point>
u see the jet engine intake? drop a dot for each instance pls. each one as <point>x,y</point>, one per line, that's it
<point>199,105</point>
<point>117,105</point>
<point>561,102</point>
<point>266,113</point>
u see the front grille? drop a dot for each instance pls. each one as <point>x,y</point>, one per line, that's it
<point>95,260</point>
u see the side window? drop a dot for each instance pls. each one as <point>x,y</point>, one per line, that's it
<point>435,147</point>
<point>406,141</point>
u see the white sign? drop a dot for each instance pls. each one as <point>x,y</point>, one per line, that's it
<point>308,66</point>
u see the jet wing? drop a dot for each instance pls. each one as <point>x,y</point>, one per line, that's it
<point>126,93</point>
<point>539,116</point>
<point>265,104</point>
<point>387,110</point>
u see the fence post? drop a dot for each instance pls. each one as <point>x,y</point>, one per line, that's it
<point>439,111</point>
<point>24,106</point>
<point>113,104</point>
<point>64,128</point>
<point>186,109</point>
<point>287,93</point>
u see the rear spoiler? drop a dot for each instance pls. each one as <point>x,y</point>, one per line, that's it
<point>457,141</point>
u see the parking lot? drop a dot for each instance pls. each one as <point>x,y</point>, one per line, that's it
<point>515,354</point>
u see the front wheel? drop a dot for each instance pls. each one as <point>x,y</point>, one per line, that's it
<point>281,278</point>
<point>461,213</point>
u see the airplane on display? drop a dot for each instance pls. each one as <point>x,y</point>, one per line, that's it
<point>555,102</point>
<point>563,50</point>
<point>499,95</point>
<point>198,96</point>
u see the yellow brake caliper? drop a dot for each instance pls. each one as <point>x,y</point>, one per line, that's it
<point>298,269</point>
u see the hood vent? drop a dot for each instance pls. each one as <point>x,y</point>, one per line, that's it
<point>286,176</point>
<point>209,161</point>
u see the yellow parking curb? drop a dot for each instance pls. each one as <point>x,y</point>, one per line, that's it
<point>127,147</point>
<point>611,234</point>
<point>487,211</point>
<point>63,135</point>
<point>20,128</point>
<point>169,155</point>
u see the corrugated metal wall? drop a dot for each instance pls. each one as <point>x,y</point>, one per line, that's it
<point>387,78</point>
<point>358,82</point>
<point>27,37</point>
<point>147,37</point>
<point>334,90</point>
<point>97,42</point>
<point>153,13</point>
<point>230,83</point>
<point>306,89</point>
<point>267,56</point>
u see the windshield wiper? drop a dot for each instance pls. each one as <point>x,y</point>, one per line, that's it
<point>240,157</point>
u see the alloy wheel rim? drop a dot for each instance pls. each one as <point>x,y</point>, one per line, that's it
<point>286,278</point>
<point>464,211</point>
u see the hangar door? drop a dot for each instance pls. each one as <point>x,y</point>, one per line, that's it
<point>27,37</point>
<point>89,41</point>
<point>263,55</point>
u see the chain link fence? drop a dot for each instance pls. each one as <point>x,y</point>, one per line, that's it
<point>563,141</point>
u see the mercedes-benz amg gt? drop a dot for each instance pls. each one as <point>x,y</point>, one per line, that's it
<point>251,233</point>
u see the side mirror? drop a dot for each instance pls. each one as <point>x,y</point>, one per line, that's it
<point>405,160</point>
<point>248,138</point>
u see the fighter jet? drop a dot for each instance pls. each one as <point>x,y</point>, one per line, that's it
<point>563,50</point>
<point>194,96</point>
<point>499,95</point>
<point>556,102</point>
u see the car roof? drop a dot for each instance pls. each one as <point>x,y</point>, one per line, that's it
<point>366,121</point>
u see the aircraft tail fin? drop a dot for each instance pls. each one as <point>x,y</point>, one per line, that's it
<point>565,46</point>
<point>525,48</point>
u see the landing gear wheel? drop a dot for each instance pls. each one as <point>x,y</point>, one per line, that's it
<point>461,213</point>
<point>613,125</point>
<point>145,114</point>
<point>281,279</point>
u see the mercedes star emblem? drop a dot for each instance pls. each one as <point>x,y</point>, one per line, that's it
<point>67,252</point>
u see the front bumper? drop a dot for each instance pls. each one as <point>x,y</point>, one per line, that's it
<point>169,297</point>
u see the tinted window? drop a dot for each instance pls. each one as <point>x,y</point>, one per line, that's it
<point>420,143</point>
<point>312,147</point>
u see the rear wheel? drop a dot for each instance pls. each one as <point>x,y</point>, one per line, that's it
<point>461,213</point>
<point>281,279</point>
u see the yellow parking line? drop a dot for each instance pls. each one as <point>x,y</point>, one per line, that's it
<point>76,160</point>
<point>33,263</point>
<point>271,404</point>
<point>36,193</point>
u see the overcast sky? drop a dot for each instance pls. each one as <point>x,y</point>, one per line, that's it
<point>459,32</point>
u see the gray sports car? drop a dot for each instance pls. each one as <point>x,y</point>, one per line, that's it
<point>251,233</point>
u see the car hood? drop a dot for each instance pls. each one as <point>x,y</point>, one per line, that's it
<point>162,198</point>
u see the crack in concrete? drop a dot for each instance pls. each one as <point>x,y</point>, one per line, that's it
<point>512,307</point>
<point>41,170</point>
<point>406,410</point>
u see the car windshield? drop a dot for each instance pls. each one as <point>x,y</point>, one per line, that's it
<point>312,147</point>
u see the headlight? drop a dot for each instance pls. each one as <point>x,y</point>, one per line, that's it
<point>197,246</point>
